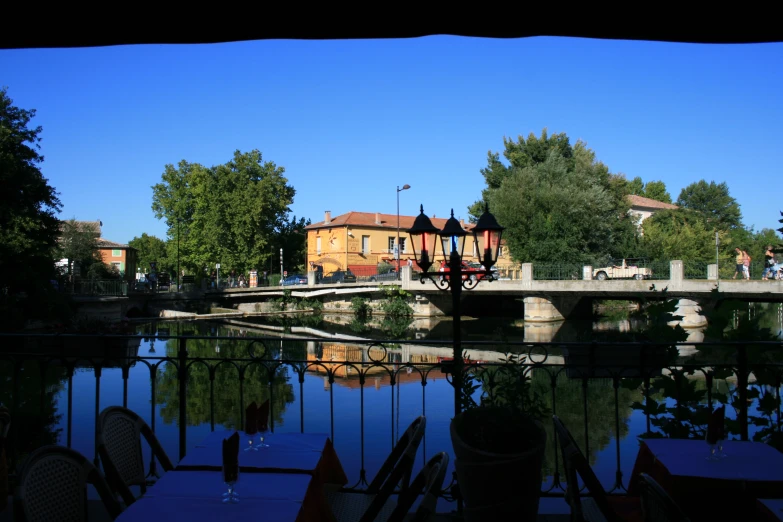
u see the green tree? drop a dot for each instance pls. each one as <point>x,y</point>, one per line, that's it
<point>657,190</point>
<point>28,223</point>
<point>79,245</point>
<point>291,237</point>
<point>713,202</point>
<point>151,249</point>
<point>233,214</point>
<point>557,202</point>
<point>636,186</point>
<point>679,234</point>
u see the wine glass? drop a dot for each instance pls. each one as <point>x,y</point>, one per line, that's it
<point>712,443</point>
<point>230,480</point>
<point>251,430</point>
<point>262,429</point>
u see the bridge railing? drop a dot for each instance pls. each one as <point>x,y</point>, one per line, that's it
<point>99,287</point>
<point>364,394</point>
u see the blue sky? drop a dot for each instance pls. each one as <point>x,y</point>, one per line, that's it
<point>351,120</point>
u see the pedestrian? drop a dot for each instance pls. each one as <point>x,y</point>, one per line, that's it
<point>739,262</point>
<point>746,264</point>
<point>769,262</point>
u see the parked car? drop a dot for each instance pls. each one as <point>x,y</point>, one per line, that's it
<point>339,276</point>
<point>623,269</point>
<point>391,275</point>
<point>467,268</point>
<point>478,266</point>
<point>296,279</point>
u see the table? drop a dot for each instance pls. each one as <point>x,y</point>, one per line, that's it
<point>284,482</point>
<point>708,489</point>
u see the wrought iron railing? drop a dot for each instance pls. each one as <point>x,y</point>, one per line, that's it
<point>600,391</point>
<point>99,287</point>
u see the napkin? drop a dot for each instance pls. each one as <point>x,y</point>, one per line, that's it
<point>263,416</point>
<point>715,425</point>
<point>231,458</point>
<point>251,419</point>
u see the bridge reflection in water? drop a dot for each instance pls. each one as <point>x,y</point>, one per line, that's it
<point>364,393</point>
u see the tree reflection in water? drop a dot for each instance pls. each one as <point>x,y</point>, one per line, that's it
<point>256,385</point>
<point>34,413</point>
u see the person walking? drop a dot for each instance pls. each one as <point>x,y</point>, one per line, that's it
<point>738,260</point>
<point>746,264</point>
<point>769,262</point>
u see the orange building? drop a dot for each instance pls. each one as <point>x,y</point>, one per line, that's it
<point>118,255</point>
<point>362,240</point>
<point>114,254</point>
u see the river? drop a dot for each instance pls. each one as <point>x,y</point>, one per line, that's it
<point>363,420</point>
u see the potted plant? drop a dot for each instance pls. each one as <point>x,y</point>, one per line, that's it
<point>499,444</point>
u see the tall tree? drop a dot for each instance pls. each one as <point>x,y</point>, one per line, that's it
<point>636,186</point>
<point>28,218</point>
<point>230,214</point>
<point>293,240</point>
<point>28,204</point>
<point>657,190</point>
<point>151,249</point>
<point>713,201</point>
<point>557,202</point>
<point>78,244</point>
<point>679,234</point>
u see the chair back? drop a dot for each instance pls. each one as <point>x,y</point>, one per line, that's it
<point>398,465</point>
<point>575,465</point>
<point>119,446</point>
<point>53,486</point>
<point>657,505</point>
<point>428,483</point>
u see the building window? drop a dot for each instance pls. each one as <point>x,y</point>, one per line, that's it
<point>500,251</point>
<point>318,245</point>
<point>402,245</point>
<point>116,253</point>
<point>391,244</point>
<point>475,249</point>
<point>365,244</point>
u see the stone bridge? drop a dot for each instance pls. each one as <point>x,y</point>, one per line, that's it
<point>534,300</point>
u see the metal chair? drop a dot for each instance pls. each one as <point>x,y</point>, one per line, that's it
<point>596,508</point>
<point>428,482</point>
<point>53,487</point>
<point>657,505</point>
<point>351,505</point>
<point>119,447</point>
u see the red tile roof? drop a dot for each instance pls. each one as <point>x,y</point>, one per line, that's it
<point>639,201</point>
<point>367,219</point>
<point>105,243</point>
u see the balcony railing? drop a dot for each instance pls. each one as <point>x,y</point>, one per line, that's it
<point>364,394</point>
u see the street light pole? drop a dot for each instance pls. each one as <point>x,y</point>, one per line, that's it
<point>178,285</point>
<point>486,235</point>
<point>404,187</point>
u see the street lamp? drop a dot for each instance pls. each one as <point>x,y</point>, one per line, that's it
<point>179,221</point>
<point>486,234</point>
<point>404,187</point>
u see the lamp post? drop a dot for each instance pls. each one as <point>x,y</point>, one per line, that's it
<point>404,187</point>
<point>179,220</point>
<point>486,235</point>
